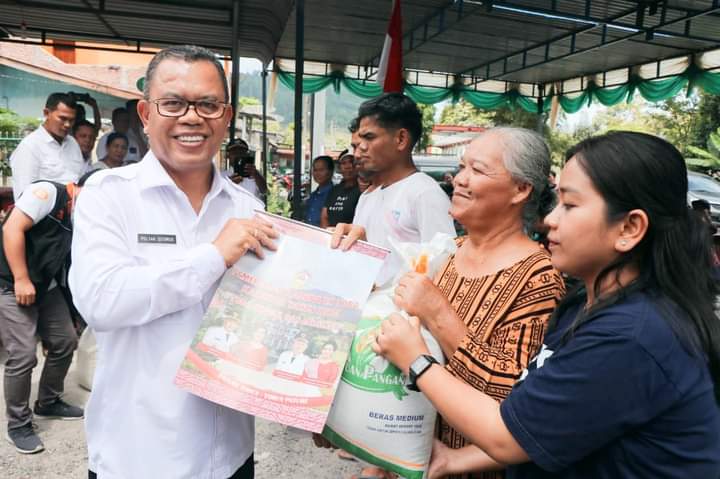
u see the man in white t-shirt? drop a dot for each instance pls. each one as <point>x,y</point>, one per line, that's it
<point>404,204</point>
<point>50,152</point>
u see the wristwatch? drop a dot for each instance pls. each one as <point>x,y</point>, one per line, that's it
<point>417,369</point>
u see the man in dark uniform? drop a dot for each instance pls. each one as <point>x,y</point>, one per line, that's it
<point>35,246</point>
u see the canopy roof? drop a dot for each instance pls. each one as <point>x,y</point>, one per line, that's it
<point>531,43</point>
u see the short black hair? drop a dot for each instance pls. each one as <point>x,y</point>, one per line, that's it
<point>393,111</point>
<point>186,53</point>
<point>114,136</point>
<point>700,205</point>
<point>354,125</point>
<point>118,111</point>
<point>55,99</point>
<point>328,161</point>
<point>82,123</point>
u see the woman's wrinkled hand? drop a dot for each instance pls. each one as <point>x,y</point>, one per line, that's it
<point>400,341</point>
<point>418,296</point>
<point>439,460</point>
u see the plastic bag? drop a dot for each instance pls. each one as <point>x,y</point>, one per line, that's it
<point>374,416</point>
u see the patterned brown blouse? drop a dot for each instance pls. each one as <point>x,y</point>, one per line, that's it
<point>506,314</point>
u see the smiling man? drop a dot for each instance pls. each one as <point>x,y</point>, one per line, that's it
<point>49,153</point>
<point>152,241</point>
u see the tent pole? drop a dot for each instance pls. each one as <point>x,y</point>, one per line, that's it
<point>264,122</point>
<point>235,74</point>
<point>299,71</point>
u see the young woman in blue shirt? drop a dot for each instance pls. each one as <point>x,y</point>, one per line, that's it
<point>627,382</point>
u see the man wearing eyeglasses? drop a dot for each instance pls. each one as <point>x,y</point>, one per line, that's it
<point>152,241</point>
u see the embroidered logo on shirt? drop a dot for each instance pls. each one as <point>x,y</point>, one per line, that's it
<point>156,239</point>
<point>539,360</point>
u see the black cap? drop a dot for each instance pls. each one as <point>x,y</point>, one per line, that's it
<point>237,143</point>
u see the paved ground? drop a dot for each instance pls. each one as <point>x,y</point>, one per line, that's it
<point>282,453</point>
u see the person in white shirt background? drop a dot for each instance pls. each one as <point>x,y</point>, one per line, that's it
<point>136,136</point>
<point>120,122</point>
<point>117,147</point>
<point>49,153</point>
<point>152,240</point>
<point>85,134</point>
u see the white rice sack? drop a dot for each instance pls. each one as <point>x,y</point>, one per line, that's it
<point>374,416</point>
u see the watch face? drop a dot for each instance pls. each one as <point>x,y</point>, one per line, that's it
<point>419,365</point>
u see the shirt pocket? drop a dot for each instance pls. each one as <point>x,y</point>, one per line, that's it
<point>51,167</point>
<point>157,252</point>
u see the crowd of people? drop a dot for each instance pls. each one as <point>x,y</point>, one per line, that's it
<point>618,376</point>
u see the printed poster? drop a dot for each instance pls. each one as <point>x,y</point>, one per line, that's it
<point>278,331</point>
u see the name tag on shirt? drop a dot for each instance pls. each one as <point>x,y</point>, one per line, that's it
<point>156,239</point>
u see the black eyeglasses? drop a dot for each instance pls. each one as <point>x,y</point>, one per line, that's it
<point>177,107</point>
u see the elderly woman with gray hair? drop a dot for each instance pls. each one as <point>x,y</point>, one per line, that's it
<point>489,305</point>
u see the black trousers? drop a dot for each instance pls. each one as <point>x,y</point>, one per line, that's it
<point>246,471</point>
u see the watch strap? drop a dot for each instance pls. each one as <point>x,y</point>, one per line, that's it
<point>414,374</point>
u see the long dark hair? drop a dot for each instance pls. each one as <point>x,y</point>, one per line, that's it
<point>640,171</point>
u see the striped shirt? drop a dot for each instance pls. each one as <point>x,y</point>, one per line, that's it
<point>506,314</point>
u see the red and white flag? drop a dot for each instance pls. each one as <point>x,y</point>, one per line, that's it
<point>390,69</point>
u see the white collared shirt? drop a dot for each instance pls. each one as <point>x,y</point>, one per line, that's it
<point>40,157</point>
<point>145,297</point>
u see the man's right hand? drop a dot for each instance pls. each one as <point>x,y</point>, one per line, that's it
<point>24,292</point>
<point>240,236</point>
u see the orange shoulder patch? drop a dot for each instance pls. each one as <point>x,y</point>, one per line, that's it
<point>40,194</point>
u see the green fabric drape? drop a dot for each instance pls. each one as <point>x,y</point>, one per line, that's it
<point>428,96</point>
<point>309,85</point>
<point>651,90</point>
<point>363,89</point>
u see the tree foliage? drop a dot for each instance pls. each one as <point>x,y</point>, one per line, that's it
<point>277,203</point>
<point>706,118</point>
<point>11,123</point>
<point>428,121</point>
<point>465,114</point>
<point>706,160</point>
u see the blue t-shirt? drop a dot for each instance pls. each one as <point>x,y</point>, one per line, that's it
<point>315,204</point>
<point>621,398</point>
